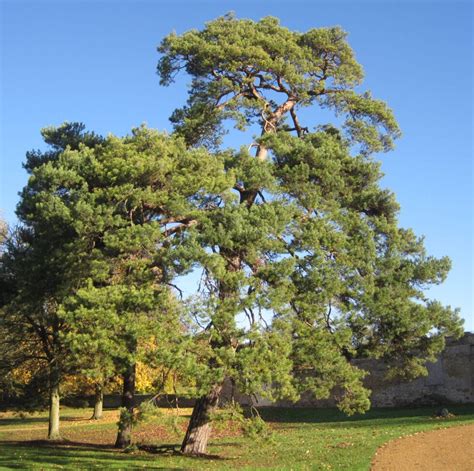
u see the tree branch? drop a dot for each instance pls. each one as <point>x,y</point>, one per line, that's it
<point>181,227</point>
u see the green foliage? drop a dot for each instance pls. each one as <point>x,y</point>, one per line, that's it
<point>250,423</point>
<point>40,265</point>
<point>147,413</point>
<point>240,68</point>
<point>68,135</point>
<point>127,203</point>
<point>105,220</point>
<point>255,428</point>
<point>306,267</point>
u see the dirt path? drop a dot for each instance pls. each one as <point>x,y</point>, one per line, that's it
<point>450,449</point>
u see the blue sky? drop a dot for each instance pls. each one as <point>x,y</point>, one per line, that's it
<point>95,62</point>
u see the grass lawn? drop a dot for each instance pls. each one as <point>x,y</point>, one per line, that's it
<point>303,438</point>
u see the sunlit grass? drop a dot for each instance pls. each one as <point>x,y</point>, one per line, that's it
<point>303,438</point>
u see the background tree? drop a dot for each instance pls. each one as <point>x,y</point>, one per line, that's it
<point>43,263</point>
<point>10,351</point>
<point>22,363</point>
<point>309,250</point>
<point>3,231</point>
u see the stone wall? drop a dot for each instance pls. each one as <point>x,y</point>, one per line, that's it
<point>450,381</point>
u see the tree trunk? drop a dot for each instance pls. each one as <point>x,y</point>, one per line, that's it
<point>98,402</point>
<point>124,435</point>
<point>270,125</point>
<point>199,428</point>
<point>54,398</point>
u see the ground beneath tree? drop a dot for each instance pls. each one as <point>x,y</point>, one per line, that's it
<point>450,449</point>
<point>82,430</point>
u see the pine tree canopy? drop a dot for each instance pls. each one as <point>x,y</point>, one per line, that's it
<point>309,251</point>
<point>262,72</point>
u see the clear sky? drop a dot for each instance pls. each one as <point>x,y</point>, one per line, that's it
<point>95,62</point>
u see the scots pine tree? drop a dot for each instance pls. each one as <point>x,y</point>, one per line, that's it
<point>306,267</point>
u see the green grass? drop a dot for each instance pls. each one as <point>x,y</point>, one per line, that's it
<point>304,438</point>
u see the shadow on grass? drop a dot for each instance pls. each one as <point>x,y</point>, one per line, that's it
<point>174,450</point>
<point>24,421</point>
<point>73,455</point>
<point>80,455</point>
<point>334,416</point>
<point>165,450</point>
<point>58,445</point>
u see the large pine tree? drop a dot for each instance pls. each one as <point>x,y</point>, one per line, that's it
<point>309,251</point>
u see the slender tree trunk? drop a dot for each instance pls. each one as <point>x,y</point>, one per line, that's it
<point>199,428</point>
<point>98,402</point>
<point>54,399</point>
<point>124,435</point>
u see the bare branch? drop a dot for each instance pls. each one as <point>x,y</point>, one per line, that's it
<point>298,128</point>
<point>180,228</point>
<point>222,105</point>
<point>260,315</point>
<point>176,288</point>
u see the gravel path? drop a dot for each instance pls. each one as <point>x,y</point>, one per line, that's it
<point>450,449</point>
